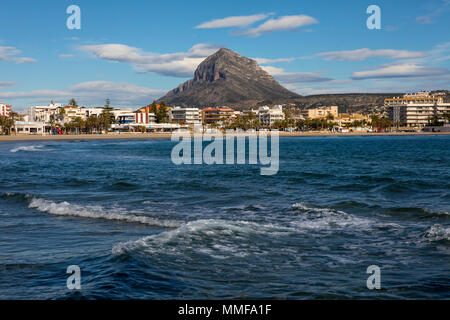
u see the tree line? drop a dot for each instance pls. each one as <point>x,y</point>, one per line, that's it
<point>7,122</point>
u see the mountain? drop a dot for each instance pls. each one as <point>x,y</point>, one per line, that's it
<point>227,78</point>
<point>347,102</point>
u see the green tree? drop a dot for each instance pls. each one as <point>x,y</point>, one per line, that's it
<point>154,107</point>
<point>107,116</point>
<point>92,124</point>
<point>73,103</point>
<point>108,105</point>
<point>162,115</point>
<point>2,124</point>
<point>7,123</point>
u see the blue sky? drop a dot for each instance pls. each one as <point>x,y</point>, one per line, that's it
<point>134,51</point>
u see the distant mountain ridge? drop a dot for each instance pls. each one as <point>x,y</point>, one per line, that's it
<point>227,78</point>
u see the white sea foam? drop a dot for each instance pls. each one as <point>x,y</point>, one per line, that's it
<point>217,238</point>
<point>327,218</point>
<point>97,212</point>
<point>38,148</point>
<point>437,233</point>
<point>437,212</point>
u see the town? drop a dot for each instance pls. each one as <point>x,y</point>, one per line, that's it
<point>416,112</point>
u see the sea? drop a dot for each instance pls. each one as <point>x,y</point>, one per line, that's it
<point>342,213</point>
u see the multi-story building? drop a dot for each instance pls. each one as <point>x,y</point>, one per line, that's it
<point>416,110</point>
<point>321,112</point>
<point>5,109</point>
<point>214,115</point>
<point>71,113</point>
<point>124,116</point>
<point>268,116</point>
<point>144,117</point>
<point>146,114</point>
<point>249,111</point>
<point>346,119</point>
<point>184,115</point>
<point>93,112</point>
<point>44,113</point>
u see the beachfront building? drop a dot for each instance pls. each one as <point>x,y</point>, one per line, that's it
<point>215,115</point>
<point>416,110</point>
<point>184,115</point>
<point>124,116</point>
<point>143,116</point>
<point>70,113</point>
<point>248,112</point>
<point>321,112</point>
<point>96,111</point>
<point>268,116</point>
<point>26,127</point>
<point>5,110</point>
<point>43,113</point>
<point>347,119</point>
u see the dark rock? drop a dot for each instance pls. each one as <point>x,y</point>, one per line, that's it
<point>227,78</point>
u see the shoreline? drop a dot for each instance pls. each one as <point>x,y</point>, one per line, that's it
<point>167,135</point>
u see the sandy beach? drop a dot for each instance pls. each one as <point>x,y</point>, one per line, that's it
<point>167,135</point>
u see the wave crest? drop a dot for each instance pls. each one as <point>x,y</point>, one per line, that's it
<point>96,212</point>
<point>214,237</point>
<point>38,148</point>
<point>437,233</point>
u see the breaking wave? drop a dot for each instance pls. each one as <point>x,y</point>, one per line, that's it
<point>328,219</point>
<point>438,233</point>
<point>96,212</point>
<point>214,237</point>
<point>38,148</point>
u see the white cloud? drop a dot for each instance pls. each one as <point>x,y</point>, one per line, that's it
<point>180,64</point>
<point>430,17</point>
<point>440,52</point>
<point>284,23</point>
<point>295,77</point>
<point>66,56</point>
<point>92,93</point>
<point>364,53</point>
<point>266,60</point>
<point>406,70</point>
<point>4,84</point>
<point>234,21</point>
<point>9,54</point>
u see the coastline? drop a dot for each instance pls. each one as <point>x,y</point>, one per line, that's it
<point>167,135</point>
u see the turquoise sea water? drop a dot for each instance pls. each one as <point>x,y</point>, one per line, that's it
<point>139,226</point>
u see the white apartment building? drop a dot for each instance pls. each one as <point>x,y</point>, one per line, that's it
<point>43,113</point>
<point>4,110</point>
<point>184,115</point>
<point>416,110</point>
<point>123,116</point>
<point>268,116</point>
<point>93,112</point>
<point>72,112</point>
<point>64,114</point>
